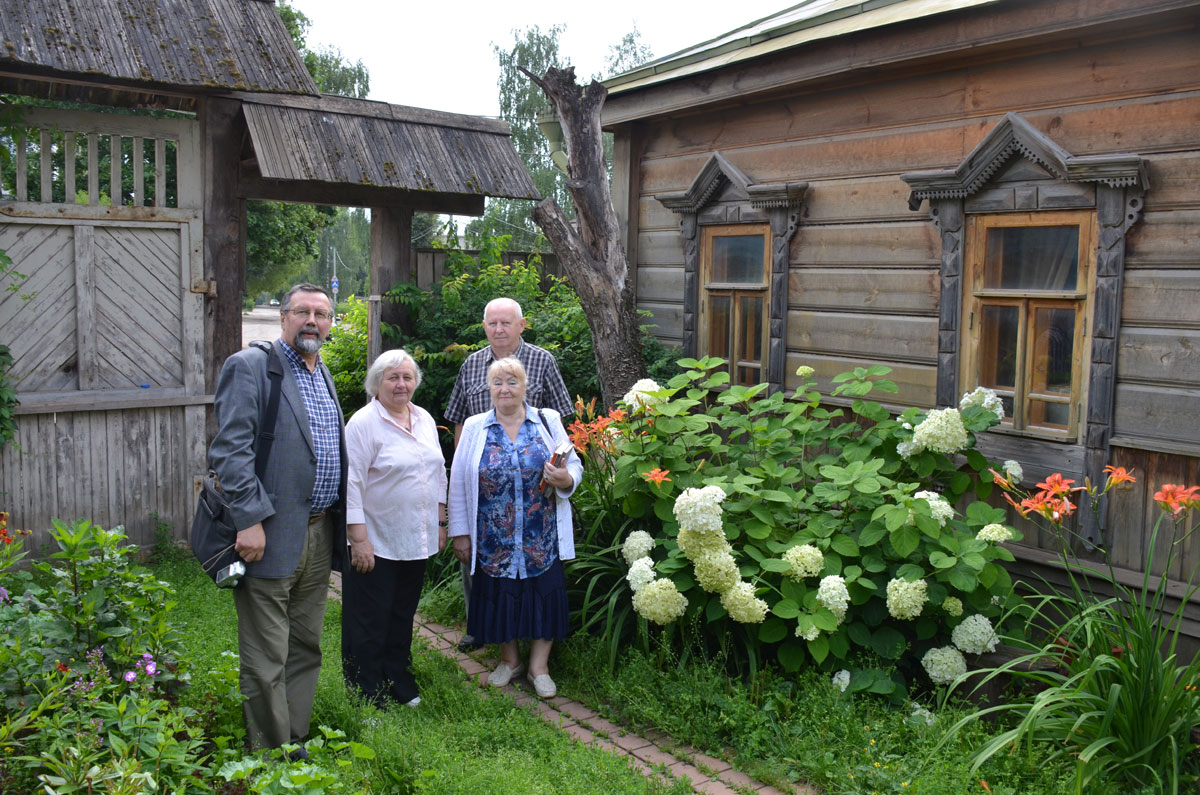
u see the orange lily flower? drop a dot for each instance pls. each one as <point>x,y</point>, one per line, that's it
<point>656,476</point>
<point>1001,480</point>
<point>1056,484</point>
<point>1118,475</point>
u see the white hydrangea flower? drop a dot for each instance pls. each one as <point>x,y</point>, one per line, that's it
<point>1013,471</point>
<point>812,633</point>
<point>641,574</point>
<point>700,509</point>
<point>832,593</point>
<point>804,371</point>
<point>982,396</point>
<point>944,664</point>
<point>805,560</point>
<point>907,449</point>
<point>939,509</point>
<point>841,680</point>
<point>942,431</point>
<point>637,545</point>
<point>994,532</point>
<point>953,606</point>
<point>975,635</point>
<point>660,602</point>
<point>920,713</point>
<point>742,605</point>
<point>638,396</point>
<point>716,570</point>
<point>905,599</point>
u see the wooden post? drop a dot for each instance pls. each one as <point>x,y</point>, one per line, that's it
<point>224,234</point>
<point>391,262</point>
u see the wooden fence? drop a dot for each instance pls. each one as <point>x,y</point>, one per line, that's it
<point>106,329</point>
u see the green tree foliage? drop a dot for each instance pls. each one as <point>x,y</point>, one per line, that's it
<point>349,235</point>
<point>520,104</point>
<point>630,53</point>
<point>334,74</point>
<point>281,240</point>
<point>285,242</point>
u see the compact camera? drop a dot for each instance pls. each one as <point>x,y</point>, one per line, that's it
<point>231,575</point>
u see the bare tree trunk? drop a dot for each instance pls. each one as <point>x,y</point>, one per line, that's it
<point>592,257</point>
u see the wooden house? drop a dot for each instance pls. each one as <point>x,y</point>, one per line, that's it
<point>130,229</point>
<point>982,192</point>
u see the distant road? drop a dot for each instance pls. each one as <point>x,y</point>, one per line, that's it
<point>260,324</point>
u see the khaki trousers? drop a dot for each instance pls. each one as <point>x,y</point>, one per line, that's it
<point>279,641</point>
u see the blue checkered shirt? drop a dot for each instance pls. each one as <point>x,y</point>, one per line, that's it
<point>544,387</point>
<point>325,425</point>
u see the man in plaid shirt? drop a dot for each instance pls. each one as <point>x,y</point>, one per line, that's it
<point>503,323</point>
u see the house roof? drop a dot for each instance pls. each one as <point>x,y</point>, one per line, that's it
<point>359,142</point>
<point>220,44</point>
<point>809,21</point>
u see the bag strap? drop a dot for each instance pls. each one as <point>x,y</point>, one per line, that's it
<point>266,429</point>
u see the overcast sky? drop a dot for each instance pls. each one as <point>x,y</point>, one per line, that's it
<point>438,53</point>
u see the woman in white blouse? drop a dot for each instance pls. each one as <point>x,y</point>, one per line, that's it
<point>395,520</point>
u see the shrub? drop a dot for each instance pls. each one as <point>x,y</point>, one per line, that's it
<point>798,532</point>
<point>345,354</point>
<point>88,660</point>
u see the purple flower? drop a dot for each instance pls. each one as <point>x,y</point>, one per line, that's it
<point>147,657</point>
<point>151,668</point>
<point>130,676</point>
<point>3,595</point>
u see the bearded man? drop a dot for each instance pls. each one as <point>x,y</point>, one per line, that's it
<point>290,518</point>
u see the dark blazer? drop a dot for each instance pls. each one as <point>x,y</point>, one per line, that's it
<point>281,499</point>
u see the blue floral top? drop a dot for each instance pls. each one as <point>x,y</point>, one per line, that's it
<point>518,530</point>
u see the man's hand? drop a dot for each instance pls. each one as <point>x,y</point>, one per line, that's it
<point>251,542</point>
<point>462,548</point>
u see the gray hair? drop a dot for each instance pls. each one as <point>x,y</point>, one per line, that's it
<point>303,287</point>
<point>497,303</point>
<point>388,360</point>
<point>509,364</point>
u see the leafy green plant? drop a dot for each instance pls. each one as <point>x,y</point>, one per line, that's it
<point>89,669</point>
<point>345,354</point>
<point>1110,689</point>
<point>825,541</point>
<point>327,755</point>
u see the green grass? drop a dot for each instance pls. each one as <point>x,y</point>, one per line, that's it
<point>457,741</point>
<point>795,729</point>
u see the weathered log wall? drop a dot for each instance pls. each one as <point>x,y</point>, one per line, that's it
<point>864,268</point>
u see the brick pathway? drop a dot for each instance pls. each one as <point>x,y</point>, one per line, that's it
<point>656,754</point>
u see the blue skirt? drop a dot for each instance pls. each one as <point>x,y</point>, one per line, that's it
<point>504,609</point>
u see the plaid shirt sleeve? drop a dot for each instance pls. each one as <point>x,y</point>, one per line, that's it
<point>542,369</point>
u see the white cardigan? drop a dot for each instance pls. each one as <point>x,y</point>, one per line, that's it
<point>464,478</point>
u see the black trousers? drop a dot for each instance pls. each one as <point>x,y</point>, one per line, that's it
<point>377,628</point>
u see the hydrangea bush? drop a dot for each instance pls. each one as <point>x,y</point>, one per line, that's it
<point>794,530</point>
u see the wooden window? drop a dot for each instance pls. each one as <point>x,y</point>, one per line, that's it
<point>734,298</point>
<point>1026,306</point>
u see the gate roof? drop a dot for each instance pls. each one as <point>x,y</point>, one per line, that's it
<point>199,44</point>
<point>357,142</point>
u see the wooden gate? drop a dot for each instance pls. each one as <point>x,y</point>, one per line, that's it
<point>106,329</point>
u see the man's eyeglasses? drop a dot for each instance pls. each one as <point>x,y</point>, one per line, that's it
<point>319,314</point>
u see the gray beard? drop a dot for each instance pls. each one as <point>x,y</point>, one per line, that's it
<point>305,344</point>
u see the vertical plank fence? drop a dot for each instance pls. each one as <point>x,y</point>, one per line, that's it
<point>106,329</point>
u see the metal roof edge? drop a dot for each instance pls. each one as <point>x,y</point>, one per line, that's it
<point>700,60</point>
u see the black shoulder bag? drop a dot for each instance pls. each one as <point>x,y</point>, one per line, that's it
<point>213,532</point>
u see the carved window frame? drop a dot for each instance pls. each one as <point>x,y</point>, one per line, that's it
<point>1112,184</point>
<point>722,195</point>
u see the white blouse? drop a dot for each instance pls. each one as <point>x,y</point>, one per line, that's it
<point>396,481</point>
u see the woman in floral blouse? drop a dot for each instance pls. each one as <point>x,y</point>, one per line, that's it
<point>512,532</point>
